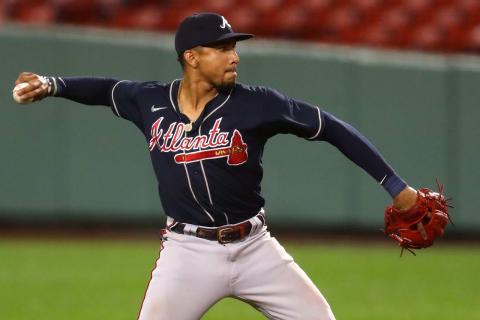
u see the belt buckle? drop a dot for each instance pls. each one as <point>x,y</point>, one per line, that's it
<point>221,235</point>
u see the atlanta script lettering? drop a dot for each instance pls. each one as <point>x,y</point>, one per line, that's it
<point>217,143</point>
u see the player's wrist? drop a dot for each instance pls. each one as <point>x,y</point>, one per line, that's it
<point>394,185</point>
<point>50,84</point>
<point>406,199</point>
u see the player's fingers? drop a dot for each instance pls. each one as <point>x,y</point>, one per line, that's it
<point>36,94</point>
<point>422,231</point>
<point>26,77</point>
<point>25,90</point>
<point>25,74</point>
<point>20,77</point>
<point>33,85</point>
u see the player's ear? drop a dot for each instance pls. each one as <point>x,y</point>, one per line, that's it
<point>190,57</point>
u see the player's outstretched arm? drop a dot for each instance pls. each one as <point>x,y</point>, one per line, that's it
<point>364,154</point>
<point>30,87</point>
<point>358,149</point>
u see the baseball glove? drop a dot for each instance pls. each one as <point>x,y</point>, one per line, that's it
<point>431,209</point>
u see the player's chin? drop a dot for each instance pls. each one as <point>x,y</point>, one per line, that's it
<point>226,86</point>
<point>230,76</point>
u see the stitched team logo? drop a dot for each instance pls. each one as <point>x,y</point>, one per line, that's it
<point>225,23</point>
<point>216,143</point>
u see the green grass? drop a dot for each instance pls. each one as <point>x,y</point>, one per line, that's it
<point>66,279</point>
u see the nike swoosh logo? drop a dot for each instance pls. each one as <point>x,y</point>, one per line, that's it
<point>156,109</point>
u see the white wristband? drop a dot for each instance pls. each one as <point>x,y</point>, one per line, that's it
<point>45,84</point>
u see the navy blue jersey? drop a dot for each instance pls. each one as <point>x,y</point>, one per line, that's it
<point>209,171</point>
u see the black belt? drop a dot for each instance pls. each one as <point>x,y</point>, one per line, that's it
<point>225,234</point>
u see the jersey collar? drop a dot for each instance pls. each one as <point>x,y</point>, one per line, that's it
<point>210,108</point>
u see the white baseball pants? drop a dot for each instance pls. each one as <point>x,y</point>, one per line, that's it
<point>192,274</point>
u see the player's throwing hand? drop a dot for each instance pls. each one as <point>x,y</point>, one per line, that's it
<point>30,87</point>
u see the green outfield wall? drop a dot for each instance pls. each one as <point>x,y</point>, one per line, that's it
<point>62,161</point>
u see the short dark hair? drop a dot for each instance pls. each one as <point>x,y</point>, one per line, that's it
<point>181,60</point>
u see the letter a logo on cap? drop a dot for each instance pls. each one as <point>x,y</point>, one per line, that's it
<point>225,23</point>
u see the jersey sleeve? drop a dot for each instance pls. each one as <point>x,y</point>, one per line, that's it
<point>123,101</point>
<point>288,115</point>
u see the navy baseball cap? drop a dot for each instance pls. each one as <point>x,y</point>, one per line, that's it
<point>203,29</point>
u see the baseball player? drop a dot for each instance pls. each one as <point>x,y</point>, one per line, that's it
<point>205,134</point>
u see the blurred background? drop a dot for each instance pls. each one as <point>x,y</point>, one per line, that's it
<point>365,61</point>
<point>434,25</point>
<point>77,188</point>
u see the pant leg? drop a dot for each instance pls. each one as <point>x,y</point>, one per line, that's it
<point>269,279</point>
<point>190,276</point>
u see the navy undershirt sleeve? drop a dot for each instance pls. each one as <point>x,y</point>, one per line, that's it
<point>359,150</point>
<point>85,90</point>
<point>120,96</point>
